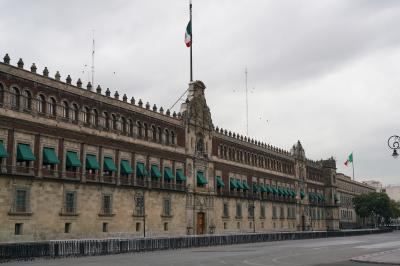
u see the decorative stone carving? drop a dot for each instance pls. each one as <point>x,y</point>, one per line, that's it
<point>89,86</point>
<point>79,83</point>
<point>57,76</point>
<point>125,98</point>
<point>45,72</point>
<point>33,68</point>
<point>20,63</point>
<point>6,59</point>
<point>98,89</point>
<point>68,79</point>
<point>108,92</point>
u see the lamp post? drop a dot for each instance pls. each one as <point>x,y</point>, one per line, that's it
<point>394,144</point>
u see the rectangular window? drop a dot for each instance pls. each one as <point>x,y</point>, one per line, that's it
<point>282,212</point>
<point>67,228</point>
<point>138,227</point>
<point>238,210</point>
<point>105,227</point>
<point>274,212</point>
<point>262,211</point>
<point>250,211</point>
<point>107,204</point>
<point>21,200</point>
<point>167,207</point>
<point>226,209</point>
<point>139,205</point>
<point>165,226</point>
<point>18,228</point>
<point>70,202</point>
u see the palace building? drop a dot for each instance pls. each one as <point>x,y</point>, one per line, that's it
<point>77,162</point>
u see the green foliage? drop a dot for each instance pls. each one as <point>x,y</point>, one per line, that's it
<point>377,205</point>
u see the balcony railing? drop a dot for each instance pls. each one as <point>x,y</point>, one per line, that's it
<point>91,177</point>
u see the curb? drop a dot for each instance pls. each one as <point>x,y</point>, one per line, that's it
<point>369,258</point>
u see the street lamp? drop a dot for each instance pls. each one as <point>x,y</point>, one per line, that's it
<point>394,144</point>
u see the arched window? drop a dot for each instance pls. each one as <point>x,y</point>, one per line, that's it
<point>154,133</point>
<point>123,125</point>
<point>159,134</point>
<point>65,109</point>
<point>106,120</point>
<point>172,137</point>
<point>129,127</point>
<point>27,100</point>
<point>167,140</point>
<point>15,95</point>
<point>52,107</point>
<point>40,103</point>
<point>86,115</point>
<point>146,131</point>
<point>94,117</point>
<point>1,94</point>
<point>74,113</point>
<point>140,129</point>
<point>114,122</point>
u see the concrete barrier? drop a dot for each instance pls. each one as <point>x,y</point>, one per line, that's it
<point>91,247</point>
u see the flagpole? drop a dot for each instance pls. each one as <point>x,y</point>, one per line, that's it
<point>191,45</point>
<point>352,164</point>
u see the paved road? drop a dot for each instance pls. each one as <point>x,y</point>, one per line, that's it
<point>311,252</point>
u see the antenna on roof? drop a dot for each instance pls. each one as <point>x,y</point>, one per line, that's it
<point>93,60</point>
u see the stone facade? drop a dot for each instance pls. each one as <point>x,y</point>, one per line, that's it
<point>82,164</point>
<point>347,189</point>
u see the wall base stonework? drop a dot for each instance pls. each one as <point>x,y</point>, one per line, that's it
<point>65,248</point>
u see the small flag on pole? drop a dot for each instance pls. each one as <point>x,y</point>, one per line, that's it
<point>349,160</point>
<point>188,34</point>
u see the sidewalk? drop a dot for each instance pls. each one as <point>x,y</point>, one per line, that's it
<point>388,257</point>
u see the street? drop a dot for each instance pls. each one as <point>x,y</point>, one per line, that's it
<point>331,251</point>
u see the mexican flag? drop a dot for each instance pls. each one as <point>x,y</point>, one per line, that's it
<point>349,160</point>
<point>188,34</point>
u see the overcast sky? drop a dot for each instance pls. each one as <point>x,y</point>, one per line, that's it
<point>326,73</point>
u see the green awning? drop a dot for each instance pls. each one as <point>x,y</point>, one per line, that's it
<point>179,175</point>
<point>141,170</point>
<point>293,192</point>
<point>155,172</point>
<point>335,197</point>
<point>3,151</point>
<point>319,197</point>
<point>256,187</point>
<point>233,183</point>
<point>239,184</point>
<point>285,192</point>
<point>91,162</point>
<point>274,190</point>
<point>168,173</point>
<point>109,165</point>
<point>311,196</point>
<point>220,182</point>
<point>126,168</point>
<point>72,159</point>
<point>201,180</point>
<point>24,153</point>
<point>245,185</point>
<point>267,189</point>
<point>262,188</point>
<point>49,156</point>
<point>323,198</point>
<point>302,195</point>
<point>280,192</point>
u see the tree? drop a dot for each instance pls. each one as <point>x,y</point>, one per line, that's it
<point>376,205</point>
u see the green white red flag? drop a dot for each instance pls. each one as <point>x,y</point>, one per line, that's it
<point>349,160</point>
<point>188,34</point>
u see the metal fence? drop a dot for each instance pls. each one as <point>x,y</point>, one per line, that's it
<point>91,247</point>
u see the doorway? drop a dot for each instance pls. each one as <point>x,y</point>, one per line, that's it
<point>200,223</point>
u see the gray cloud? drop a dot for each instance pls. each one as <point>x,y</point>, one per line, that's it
<point>325,72</point>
